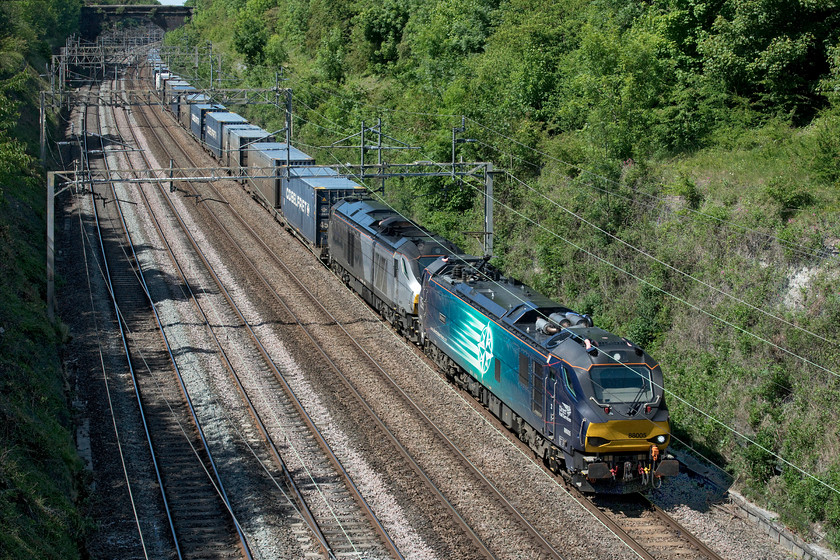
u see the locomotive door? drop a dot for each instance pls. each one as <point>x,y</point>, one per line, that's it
<point>550,404</point>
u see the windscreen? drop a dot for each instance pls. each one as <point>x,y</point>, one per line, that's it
<point>619,384</point>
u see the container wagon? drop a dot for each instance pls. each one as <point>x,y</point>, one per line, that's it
<point>214,127</point>
<point>307,196</point>
<point>198,112</point>
<point>268,162</point>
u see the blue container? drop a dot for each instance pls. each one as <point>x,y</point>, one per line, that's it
<point>197,115</point>
<point>214,125</point>
<point>266,168</point>
<point>184,107</point>
<point>308,195</point>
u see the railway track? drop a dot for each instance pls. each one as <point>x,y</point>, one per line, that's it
<point>207,546</point>
<point>196,517</point>
<point>366,382</point>
<point>324,492</point>
<point>324,337</point>
<point>651,532</point>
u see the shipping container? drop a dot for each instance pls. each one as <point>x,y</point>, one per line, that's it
<point>177,93</point>
<point>238,144</point>
<point>170,88</point>
<point>166,86</point>
<point>197,115</point>
<point>214,127</point>
<point>160,78</point>
<point>267,165</point>
<point>224,158</point>
<point>185,106</point>
<point>308,195</point>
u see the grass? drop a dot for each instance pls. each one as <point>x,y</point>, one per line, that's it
<point>38,462</point>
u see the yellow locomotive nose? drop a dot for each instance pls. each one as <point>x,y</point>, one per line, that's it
<point>621,436</point>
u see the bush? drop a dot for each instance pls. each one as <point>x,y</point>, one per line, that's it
<point>759,458</point>
<point>789,196</point>
<point>825,164</point>
<point>687,189</point>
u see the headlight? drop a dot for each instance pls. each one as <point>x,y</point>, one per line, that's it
<point>661,438</point>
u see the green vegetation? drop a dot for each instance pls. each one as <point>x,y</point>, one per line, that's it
<point>125,3</point>
<point>38,462</point>
<point>705,134</point>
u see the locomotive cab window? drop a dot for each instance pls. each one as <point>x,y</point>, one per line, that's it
<point>567,381</point>
<point>616,384</point>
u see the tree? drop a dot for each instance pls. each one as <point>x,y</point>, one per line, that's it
<point>441,34</point>
<point>773,51</point>
<point>249,38</point>
<point>382,28</point>
<point>330,56</point>
<point>275,51</point>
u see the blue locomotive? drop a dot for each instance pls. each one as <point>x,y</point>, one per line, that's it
<point>585,400</point>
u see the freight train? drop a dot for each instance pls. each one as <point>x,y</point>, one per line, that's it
<point>591,404</point>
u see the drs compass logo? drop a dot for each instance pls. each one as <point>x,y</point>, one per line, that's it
<point>485,349</point>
